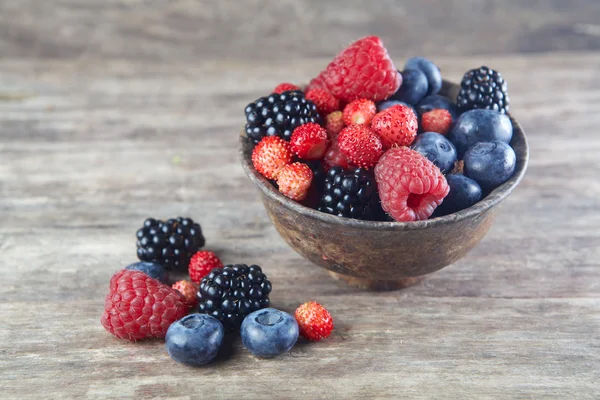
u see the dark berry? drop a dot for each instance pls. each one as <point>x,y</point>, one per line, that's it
<point>153,270</point>
<point>490,163</point>
<point>269,332</point>
<point>279,115</point>
<point>464,192</point>
<point>431,71</point>
<point>483,88</point>
<point>232,292</point>
<point>413,88</point>
<point>194,339</point>
<point>479,126</point>
<point>171,243</point>
<point>437,149</point>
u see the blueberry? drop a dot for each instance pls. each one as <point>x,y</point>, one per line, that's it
<point>437,149</point>
<point>479,126</point>
<point>464,192</point>
<point>413,88</point>
<point>436,101</point>
<point>269,332</point>
<point>431,71</point>
<point>194,339</point>
<point>153,270</point>
<point>490,163</point>
<point>388,103</point>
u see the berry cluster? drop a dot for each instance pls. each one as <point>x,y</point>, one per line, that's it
<point>388,141</point>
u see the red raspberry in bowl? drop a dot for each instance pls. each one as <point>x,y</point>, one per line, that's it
<point>360,145</point>
<point>396,125</point>
<point>410,186</point>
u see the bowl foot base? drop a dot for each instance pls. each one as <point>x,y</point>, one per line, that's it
<point>372,284</point>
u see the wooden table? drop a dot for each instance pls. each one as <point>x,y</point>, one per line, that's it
<point>114,111</point>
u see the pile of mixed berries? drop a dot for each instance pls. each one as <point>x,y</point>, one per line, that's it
<point>366,141</point>
<point>225,299</point>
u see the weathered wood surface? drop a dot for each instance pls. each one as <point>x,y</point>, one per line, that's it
<point>114,111</point>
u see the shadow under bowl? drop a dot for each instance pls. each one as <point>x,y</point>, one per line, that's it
<point>383,255</point>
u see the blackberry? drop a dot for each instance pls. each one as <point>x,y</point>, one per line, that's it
<point>232,292</point>
<point>350,193</point>
<point>279,115</point>
<point>171,243</point>
<point>483,88</point>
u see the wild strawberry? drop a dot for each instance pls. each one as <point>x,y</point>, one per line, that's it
<point>284,87</point>
<point>202,263</point>
<point>359,112</point>
<point>294,180</point>
<point>360,145</point>
<point>188,290</point>
<point>314,321</point>
<point>270,154</point>
<point>326,102</point>
<point>334,123</point>
<point>396,125</point>
<point>438,120</point>
<point>334,157</point>
<point>309,141</point>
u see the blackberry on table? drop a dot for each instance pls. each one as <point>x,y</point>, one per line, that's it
<point>279,115</point>
<point>232,292</point>
<point>483,88</point>
<point>170,243</point>
<point>350,193</point>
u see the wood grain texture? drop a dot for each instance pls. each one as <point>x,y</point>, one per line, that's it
<point>114,111</point>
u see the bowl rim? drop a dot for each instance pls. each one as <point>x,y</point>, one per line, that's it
<point>492,199</point>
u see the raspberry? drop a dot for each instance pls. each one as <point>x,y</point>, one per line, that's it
<point>188,290</point>
<point>294,180</point>
<point>334,157</point>
<point>334,123</point>
<point>309,141</point>
<point>314,321</point>
<point>139,307</point>
<point>359,112</point>
<point>396,125</point>
<point>438,120</point>
<point>326,102</point>
<point>410,186</point>
<point>360,145</point>
<point>284,87</point>
<point>202,263</point>
<point>270,154</point>
<point>363,70</point>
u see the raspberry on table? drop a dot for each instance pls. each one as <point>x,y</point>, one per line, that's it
<point>202,263</point>
<point>309,141</point>
<point>270,155</point>
<point>410,186</point>
<point>294,180</point>
<point>188,290</point>
<point>314,321</point>
<point>359,112</point>
<point>363,70</point>
<point>349,193</point>
<point>285,87</point>
<point>361,145</point>
<point>139,307</point>
<point>438,120</point>
<point>396,125</point>
<point>334,123</point>
<point>325,101</point>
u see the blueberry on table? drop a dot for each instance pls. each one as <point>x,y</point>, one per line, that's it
<point>435,101</point>
<point>479,126</point>
<point>490,163</point>
<point>431,71</point>
<point>437,149</point>
<point>413,88</point>
<point>194,339</point>
<point>464,192</point>
<point>269,332</point>
<point>153,270</point>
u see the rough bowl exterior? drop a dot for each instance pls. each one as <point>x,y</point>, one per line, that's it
<point>362,252</point>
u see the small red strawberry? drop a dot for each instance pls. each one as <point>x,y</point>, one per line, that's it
<point>188,290</point>
<point>294,180</point>
<point>201,264</point>
<point>284,87</point>
<point>309,141</point>
<point>270,154</point>
<point>334,123</point>
<point>334,157</point>
<point>396,125</point>
<point>360,145</point>
<point>326,102</point>
<point>139,307</point>
<point>314,321</point>
<point>359,112</point>
<point>363,70</point>
<point>438,120</point>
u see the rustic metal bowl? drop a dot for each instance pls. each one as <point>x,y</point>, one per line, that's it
<point>383,255</point>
